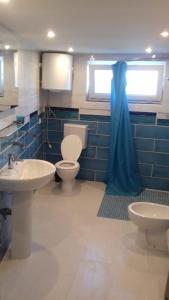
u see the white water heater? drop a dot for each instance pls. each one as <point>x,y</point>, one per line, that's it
<point>57,71</point>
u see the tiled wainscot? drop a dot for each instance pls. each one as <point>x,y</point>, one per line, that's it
<point>151,139</point>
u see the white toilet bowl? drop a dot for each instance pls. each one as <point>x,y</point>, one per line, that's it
<point>153,222</point>
<point>68,168</point>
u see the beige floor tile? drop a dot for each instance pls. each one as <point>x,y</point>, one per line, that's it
<point>76,255</point>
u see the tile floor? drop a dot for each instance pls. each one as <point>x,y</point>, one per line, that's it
<point>78,256</point>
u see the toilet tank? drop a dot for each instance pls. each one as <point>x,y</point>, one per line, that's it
<point>79,130</point>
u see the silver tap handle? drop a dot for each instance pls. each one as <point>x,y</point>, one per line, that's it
<point>10,156</point>
<point>10,161</point>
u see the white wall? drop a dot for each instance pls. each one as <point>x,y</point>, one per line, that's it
<point>28,87</point>
<point>77,99</point>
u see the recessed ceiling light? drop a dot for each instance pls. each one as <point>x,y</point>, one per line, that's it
<point>7,47</point>
<point>70,49</point>
<point>164,34</point>
<point>153,56</point>
<point>148,50</point>
<point>51,34</point>
<point>92,58</point>
<point>4,1</point>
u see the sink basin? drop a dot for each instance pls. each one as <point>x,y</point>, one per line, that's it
<point>27,175</point>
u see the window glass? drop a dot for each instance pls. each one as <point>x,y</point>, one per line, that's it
<point>144,81</point>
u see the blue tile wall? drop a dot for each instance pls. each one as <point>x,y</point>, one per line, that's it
<point>161,171</point>
<point>150,136</point>
<point>93,159</point>
<point>30,135</point>
<point>144,144</point>
<point>162,146</point>
<point>89,152</point>
<point>151,139</point>
<point>145,169</point>
<point>154,132</point>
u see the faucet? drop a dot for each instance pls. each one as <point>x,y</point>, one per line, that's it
<point>10,161</point>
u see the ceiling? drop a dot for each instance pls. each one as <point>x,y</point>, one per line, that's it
<point>109,26</point>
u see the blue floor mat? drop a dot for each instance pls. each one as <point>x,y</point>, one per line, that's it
<point>116,207</point>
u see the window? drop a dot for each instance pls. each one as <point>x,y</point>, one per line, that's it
<point>144,81</point>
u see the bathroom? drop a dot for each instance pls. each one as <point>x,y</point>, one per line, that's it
<point>66,239</point>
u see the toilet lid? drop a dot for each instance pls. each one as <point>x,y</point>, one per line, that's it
<point>71,147</point>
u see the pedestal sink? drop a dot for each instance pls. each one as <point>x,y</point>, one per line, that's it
<point>25,177</point>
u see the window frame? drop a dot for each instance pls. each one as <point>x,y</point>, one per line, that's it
<point>160,66</point>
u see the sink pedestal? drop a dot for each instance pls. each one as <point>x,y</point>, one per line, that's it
<point>21,224</point>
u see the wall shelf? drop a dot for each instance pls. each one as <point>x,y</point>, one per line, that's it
<point>10,129</point>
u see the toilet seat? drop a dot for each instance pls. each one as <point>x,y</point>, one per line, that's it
<point>68,168</point>
<point>67,165</point>
<point>71,148</point>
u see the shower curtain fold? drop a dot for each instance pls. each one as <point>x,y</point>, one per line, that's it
<point>123,173</point>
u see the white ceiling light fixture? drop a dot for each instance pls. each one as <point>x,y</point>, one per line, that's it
<point>51,34</point>
<point>7,47</point>
<point>4,1</point>
<point>70,49</point>
<point>164,34</point>
<point>148,50</point>
<point>153,56</point>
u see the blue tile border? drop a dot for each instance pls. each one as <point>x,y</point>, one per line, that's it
<point>163,122</point>
<point>95,118</point>
<point>143,118</point>
<point>64,113</point>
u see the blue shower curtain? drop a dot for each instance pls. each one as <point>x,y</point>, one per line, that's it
<point>123,174</point>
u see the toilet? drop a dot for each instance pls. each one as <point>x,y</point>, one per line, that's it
<point>75,140</point>
<point>152,221</point>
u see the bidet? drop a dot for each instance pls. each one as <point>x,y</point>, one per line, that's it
<point>153,222</point>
